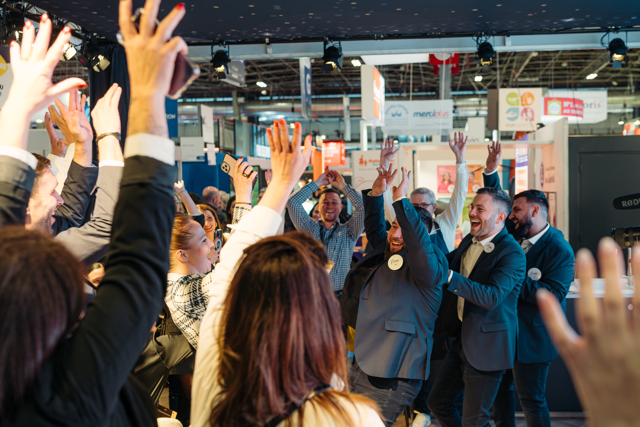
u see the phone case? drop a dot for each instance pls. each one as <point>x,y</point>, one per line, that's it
<point>228,164</point>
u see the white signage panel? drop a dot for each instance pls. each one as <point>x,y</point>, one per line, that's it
<point>206,116</point>
<point>519,109</point>
<point>418,117</point>
<point>595,103</point>
<point>192,149</point>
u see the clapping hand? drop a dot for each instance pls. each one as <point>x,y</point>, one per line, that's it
<point>387,153</point>
<point>322,179</point>
<point>59,146</point>
<point>336,180</point>
<point>384,180</point>
<point>459,146</point>
<point>493,160</point>
<point>604,361</point>
<point>401,190</point>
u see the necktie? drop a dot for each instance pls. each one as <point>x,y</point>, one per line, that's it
<point>526,245</point>
<point>468,262</point>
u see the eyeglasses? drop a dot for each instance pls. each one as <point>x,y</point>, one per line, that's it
<point>423,205</point>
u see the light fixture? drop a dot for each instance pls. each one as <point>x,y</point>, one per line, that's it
<point>261,84</point>
<point>478,78</point>
<point>487,140</point>
<point>637,122</point>
<point>621,122</point>
<point>220,61</point>
<point>356,63</point>
<point>332,57</point>
<point>68,52</point>
<point>264,92</point>
<point>485,55</point>
<point>618,53</point>
<point>592,76</point>
<point>93,56</point>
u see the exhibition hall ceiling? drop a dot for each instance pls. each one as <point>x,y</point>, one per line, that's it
<point>294,20</point>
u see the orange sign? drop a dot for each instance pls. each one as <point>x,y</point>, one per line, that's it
<point>333,153</point>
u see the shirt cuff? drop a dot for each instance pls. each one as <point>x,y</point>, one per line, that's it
<point>111,163</point>
<point>450,276</point>
<point>154,146</point>
<point>19,154</point>
<point>490,173</point>
<point>399,198</point>
<point>261,221</point>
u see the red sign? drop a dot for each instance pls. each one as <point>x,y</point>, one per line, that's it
<point>438,59</point>
<point>333,153</point>
<point>567,107</point>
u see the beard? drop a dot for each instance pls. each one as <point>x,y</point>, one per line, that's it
<point>522,229</point>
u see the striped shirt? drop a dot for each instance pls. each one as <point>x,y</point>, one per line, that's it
<point>340,239</point>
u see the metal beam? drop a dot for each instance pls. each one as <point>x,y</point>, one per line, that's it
<point>538,42</point>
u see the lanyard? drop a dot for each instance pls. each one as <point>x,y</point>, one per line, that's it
<point>323,231</point>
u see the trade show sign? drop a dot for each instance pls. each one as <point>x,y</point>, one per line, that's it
<point>333,153</point>
<point>522,169</point>
<point>365,168</point>
<point>305,87</point>
<point>372,87</point>
<point>564,107</point>
<point>519,109</point>
<point>6,75</point>
<point>594,104</point>
<point>418,117</point>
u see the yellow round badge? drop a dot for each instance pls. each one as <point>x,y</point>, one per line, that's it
<point>3,66</point>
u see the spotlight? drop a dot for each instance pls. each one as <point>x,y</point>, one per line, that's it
<point>261,84</point>
<point>618,53</point>
<point>592,76</point>
<point>485,55</point>
<point>332,57</point>
<point>68,52</point>
<point>220,61</point>
<point>93,56</point>
<point>478,78</point>
<point>356,63</point>
<point>12,25</point>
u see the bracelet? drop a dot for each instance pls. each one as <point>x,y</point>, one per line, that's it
<point>243,203</point>
<point>116,134</point>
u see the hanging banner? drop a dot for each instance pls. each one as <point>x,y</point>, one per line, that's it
<point>6,75</point>
<point>305,87</point>
<point>564,107</point>
<point>372,87</point>
<point>438,59</point>
<point>206,118</point>
<point>418,117</point>
<point>365,168</point>
<point>519,109</point>
<point>333,153</point>
<point>594,103</point>
<point>522,169</point>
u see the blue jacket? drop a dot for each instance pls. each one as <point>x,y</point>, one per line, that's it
<point>553,256</point>
<point>397,308</point>
<point>489,328</point>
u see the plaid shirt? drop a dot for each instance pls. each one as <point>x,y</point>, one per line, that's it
<point>340,239</point>
<point>187,298</point>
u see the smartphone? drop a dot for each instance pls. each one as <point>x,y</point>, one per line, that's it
<point>217,237</point>
<point>228,165</point>
<point>185,71</point>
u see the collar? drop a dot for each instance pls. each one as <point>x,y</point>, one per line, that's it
<point>537,237</point>
<point>174,276</point>
<point>335,224</point>
<point>487,240</point>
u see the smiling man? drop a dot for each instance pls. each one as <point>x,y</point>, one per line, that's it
<point>479,309</point>
<point>338,239</point>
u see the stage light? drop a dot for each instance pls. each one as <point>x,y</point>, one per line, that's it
<point>91,55</point>
<point>592,76</point>
<point>478,78</point>
<point>220,61</point>
<point>261,84</point>
<point>356,63</point>
<point>617,53</point>
<point>332,57</point>
<point>68,52</point>
<point>485,55</point>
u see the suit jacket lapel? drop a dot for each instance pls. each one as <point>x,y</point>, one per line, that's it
<point>464,245</point>
<point>496,241</point>
<point>540,244</point>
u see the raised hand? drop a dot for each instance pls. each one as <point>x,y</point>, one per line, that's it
<point>32,64</point>
<point>178,187</point>
<point>336,180</point>
<point>59,146</point>
<point>243,179</point>
<point>604,361</point>
<point>323,179</point>
<point>401,190</point>
<point>493,160</point>
<point>383,181</point>
<point>268,176</point>
<point>387,153</point>
<point>288,162</point>
<point>105,114</point>
<point>150,59</point>
<point>72,121</point>
<point>459,146</point>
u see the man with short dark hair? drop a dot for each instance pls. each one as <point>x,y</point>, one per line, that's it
<point>211,197</point>
<point>479,309</point>
<point>550,265</point>
<point>338,239</point>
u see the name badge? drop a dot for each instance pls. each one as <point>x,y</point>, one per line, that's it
<point>489,247</point>
<point>534,274</point>
<point>395,262</point>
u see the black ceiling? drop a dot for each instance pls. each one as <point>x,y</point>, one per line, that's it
<point>254,20</point>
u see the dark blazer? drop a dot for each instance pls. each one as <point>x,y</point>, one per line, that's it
<point>489,328</point>
<point>553,256</point>
<point>397,309</point>
<point>76,194</point>
<point>85,381</point>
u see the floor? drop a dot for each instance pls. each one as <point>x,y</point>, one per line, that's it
<point>557,420</point>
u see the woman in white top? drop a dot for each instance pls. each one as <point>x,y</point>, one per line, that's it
<point>271,345</point>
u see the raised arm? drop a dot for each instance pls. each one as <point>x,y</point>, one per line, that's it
<point>448,219</point>
<point>355,225</point>
<point>490,175</point>
<point>374,223</point>
<point>387,154</point>
<point>299,216</point>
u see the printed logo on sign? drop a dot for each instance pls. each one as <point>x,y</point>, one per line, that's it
<point>3,66</point>
<point>554,107</point>
<point>513,98</point>
<point>528,99</point>
<point>434,113</point>
<point>397,110</point>
<point>513,114</point>
<point>527,114</point>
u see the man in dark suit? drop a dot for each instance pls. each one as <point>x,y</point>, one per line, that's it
<point>479,307</point>
<point>393,302</point>
<point>550,265</point>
